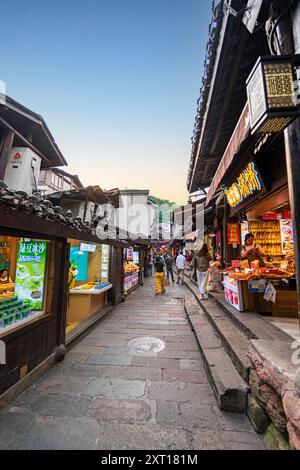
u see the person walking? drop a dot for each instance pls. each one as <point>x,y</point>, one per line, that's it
<point>201,262</point>
<point>180,265</point>
<point>150,266</point>
<point>159,275</point>
<point>169,266</point>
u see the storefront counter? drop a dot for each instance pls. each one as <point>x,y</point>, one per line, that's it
<point>248,296</point>
<point>85,302</point>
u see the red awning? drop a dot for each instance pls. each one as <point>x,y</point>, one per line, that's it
<point>240,133</point>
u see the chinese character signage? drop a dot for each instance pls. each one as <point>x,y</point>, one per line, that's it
<point>271,94</point>
<point>247,184</point>
<point>233,234</point>
<point>30,273</point>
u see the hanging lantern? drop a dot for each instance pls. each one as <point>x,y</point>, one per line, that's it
<point>272,93</point>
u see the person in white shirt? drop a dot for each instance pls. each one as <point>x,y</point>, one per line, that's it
<point>180,265</point>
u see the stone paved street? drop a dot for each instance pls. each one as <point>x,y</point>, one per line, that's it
<point>106,395</point>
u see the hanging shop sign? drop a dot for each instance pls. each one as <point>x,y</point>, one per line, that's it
<point>247,184</point>
<point>30,273</point>
<point>233,234</point>
<point>272,97</point>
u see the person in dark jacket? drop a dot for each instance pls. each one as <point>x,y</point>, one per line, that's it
<point>169,267</point>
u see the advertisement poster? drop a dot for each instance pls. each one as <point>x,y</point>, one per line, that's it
<point>287,236</point>
<point>129,254</point>
<point>136,257</point>
<point>30,273</point>
<point>233,234</point>
<point>244,231</point>
<point>79,262</point>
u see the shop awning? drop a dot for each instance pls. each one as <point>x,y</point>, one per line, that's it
<point>240,133</point>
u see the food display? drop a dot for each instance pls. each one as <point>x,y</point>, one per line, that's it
<point>268,235</point>
<point>130,267</point>
<point>12,310</point>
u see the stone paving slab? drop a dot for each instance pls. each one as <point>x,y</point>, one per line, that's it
<point>115,388</point>
<point>121,411</point>
<point>105,395</point>
<point>109,360</point>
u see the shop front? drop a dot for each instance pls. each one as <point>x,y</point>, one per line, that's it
<point>132,268</point>
<point>89,281</point>
<point>260,274</point>
<point>26,280</point>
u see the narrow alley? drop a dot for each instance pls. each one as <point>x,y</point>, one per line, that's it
<point>114,393</point>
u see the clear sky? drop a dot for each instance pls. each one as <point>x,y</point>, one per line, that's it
<point>116,81</point>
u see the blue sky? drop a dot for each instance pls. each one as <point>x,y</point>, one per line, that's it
<point>116,80</point>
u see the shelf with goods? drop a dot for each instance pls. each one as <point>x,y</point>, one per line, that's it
<point>268,235</point>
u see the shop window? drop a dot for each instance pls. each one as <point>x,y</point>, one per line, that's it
<point>26,280</point>
<point>89,281</point>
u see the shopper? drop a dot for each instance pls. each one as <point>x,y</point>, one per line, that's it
<point>180,265</point>
<point>159,275</point>
<point>201,262</point>
<point>169,267</point>
<point>252,251</point>
<point>150,266</point>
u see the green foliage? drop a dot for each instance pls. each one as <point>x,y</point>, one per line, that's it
<point>166,207</point>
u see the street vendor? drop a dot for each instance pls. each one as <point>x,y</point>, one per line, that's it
<point>253,251</point>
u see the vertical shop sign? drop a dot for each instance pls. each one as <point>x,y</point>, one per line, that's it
<point>104,263</point>
<point>30,273</point>
<point>233,234</point>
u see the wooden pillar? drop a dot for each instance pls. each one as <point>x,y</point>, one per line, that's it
<point>5,151</point>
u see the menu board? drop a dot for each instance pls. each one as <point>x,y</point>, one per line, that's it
<point>287,236</point>
<point>30,273</point>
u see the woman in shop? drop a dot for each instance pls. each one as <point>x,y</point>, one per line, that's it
<point>4,277</point>
<point>252,251</point>
<point>201,263</point>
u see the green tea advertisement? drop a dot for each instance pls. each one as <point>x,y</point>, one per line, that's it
<point>30,274</point>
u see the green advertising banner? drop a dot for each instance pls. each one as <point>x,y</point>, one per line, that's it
<point>30,274</point>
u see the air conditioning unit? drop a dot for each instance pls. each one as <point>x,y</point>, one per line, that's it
<point>23,169</point>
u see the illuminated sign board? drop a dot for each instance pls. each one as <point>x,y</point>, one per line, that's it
<point>247,184</point>
<point>272,96</point>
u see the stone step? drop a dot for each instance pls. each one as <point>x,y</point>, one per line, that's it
<point>236,343</point>
<point>229,388</point>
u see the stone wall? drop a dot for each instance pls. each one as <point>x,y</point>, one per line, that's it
<point>278,393</point>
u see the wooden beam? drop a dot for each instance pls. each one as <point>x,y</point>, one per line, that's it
<point>5,151</point>
<point>24,140</point>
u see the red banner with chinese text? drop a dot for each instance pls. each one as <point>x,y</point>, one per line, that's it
<point>233,234</point>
